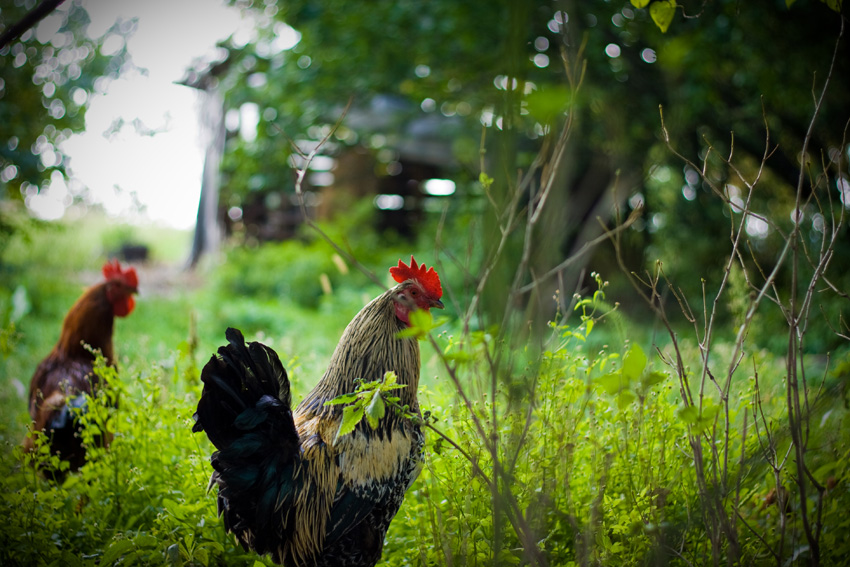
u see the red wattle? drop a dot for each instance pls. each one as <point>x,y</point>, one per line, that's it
<point>124,307</point>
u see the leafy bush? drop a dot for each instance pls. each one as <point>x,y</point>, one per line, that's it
<point>596,464</point>
<point>287,270</point>
<point>592,457</point>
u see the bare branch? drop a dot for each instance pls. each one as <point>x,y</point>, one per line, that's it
<point>30,20</point>
<point>299,183</point>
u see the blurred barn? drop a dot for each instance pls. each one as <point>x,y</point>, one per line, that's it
<point>401,172</point>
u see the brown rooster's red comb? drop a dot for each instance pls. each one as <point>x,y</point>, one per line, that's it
<point>112,271</point>
<point>427,279</point>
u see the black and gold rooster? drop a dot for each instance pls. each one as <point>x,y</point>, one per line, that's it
<point>284,487</point>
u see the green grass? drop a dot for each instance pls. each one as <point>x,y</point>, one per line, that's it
<point>594,455</point>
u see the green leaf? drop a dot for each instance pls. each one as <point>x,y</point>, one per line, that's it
<point>625,398</point>
<point>146,541</point>
<point>706,418</point>
<point>634,362</point>
<point>689,414</point>
<point>390,378</point>
<point>662,12</point>
<point>485,180</point>
<point>508,558</point>
<point>612,383</point>
<point>214,545</point>
<point>117,550</point>
<point>834,5</point>
<point>421,319</point>
<point>375,410</point>
<point>174,508</point>
<point>821,473</point>
<point>343,399</point>
<point>709,410</point>
<point>547,103</point>
<point>421,323</point>
<point>639,3</point>
<point>650,379</point>
<point>351,416</point>
<point>408,332</point>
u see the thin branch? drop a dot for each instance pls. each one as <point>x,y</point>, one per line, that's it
<point>299,182</point>
<point>30,20</point>
<point>587,247</point>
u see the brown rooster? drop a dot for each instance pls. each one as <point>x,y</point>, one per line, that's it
<point>66,374</point>
<point>284,486</point>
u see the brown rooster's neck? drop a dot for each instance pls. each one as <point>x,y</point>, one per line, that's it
<point>369,348</point>
<point>90,321</point>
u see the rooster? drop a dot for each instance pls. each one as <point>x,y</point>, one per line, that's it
<point>63,378</point>
<point>286,486</point>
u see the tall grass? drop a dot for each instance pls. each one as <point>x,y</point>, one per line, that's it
<point>593,456</point>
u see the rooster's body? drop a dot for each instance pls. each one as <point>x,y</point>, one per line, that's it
<point>285,487</point>
<point>65,376</point>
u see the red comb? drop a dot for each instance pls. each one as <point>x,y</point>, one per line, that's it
<point>112,271</point>
<point>427,279</point>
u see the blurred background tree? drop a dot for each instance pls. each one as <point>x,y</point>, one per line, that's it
<point>427,78</point>
<point>443,91</point>
<point>47,76</point>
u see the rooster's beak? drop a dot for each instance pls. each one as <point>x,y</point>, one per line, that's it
<point>437,303</point>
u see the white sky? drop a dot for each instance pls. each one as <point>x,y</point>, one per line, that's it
<point>161,172</point>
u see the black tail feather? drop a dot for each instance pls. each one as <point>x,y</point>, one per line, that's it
<point>245,411</point>
<point>235,381</point>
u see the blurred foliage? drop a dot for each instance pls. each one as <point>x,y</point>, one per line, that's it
<point>710,74</point>
<point>465,65</point>
<point>47,77</point>
<point>267,273</point>
<point>392,60</point>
